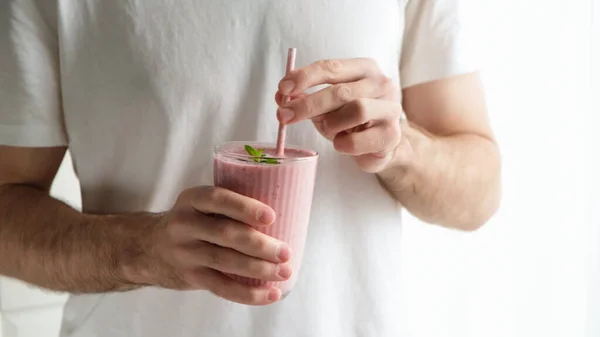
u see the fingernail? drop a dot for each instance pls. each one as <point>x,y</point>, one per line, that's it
<point>274,294</point>
<point>284,253</point>
<point>284,271</point>
<point>286,86</point>
<point>265,216</point>
<point>285,115</point>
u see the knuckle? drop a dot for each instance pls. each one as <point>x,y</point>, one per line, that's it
<point>208,190</point>
<point>214,259</point>
<point>185,194</point>
<point>249,211</point>
<point>241,237</point>
<point>361,110</point>
<point>388,86</point>
<point>324,128</point>
<point>385,82</point>
<point>301,75</point>
<point>193,279</point>
<point>254,241</point>
<point>310,106</point>
<point>220,291</point>
<point>393,85</point>
<point>173,231</point>
<point>216,195</point>
<point>391,129</point>
<point>178,218</point>
<point>252,296</point>
<point>372,65</point>
<point>369,60</point>
<point>394,128</point>
<point>259,243</point>
<point>395,131</point>
<point>260,269</point>
<point>331,66</point>
<point>176,226</point>
<point>226,291</point>
<point>227,232</point>
<point>173,256</point>
<point>343,93</point>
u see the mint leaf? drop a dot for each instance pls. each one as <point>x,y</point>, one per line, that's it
<point>258,156</point>
<point>251,151</point>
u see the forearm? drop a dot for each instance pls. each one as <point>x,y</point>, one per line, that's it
<point>47,243</point>
<point>452,181</point>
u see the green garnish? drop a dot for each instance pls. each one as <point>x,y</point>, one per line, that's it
<point>258,156</point>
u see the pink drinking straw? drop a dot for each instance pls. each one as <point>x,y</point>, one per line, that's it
<point>291,60</point>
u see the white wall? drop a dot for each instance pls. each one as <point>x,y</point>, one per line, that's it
<point>24,310</point>
<point>526,272</point>
<point>593,315</point>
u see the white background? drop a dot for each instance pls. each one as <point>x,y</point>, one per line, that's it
<point>526,273</point>
<point>534,269</point>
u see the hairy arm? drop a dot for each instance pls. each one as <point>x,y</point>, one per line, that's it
<point>447,169</point>
<point>45,242</point>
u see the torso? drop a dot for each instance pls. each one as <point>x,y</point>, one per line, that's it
<point>149,87</point>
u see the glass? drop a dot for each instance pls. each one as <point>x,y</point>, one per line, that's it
<point>286,184</point>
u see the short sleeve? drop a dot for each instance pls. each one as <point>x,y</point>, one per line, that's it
<point>437,43</point>
<point>30,98</point>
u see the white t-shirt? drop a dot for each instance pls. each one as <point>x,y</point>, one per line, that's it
<point>140,92</point>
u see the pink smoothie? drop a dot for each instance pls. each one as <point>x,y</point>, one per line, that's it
<point>287,187</point>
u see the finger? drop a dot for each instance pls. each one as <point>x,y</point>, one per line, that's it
<point>230,261</point>
<point>330,99</point>
<point>245,239</point>
<point>328,72</point>
<point>378,139</point>
<point>229,289</point>
<point>194,226</point>
<point>279,98</point>
<point>218,200</point>
<point>372,163</point>
<point>359,112</point>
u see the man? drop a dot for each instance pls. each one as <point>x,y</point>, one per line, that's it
<point>140,92</point>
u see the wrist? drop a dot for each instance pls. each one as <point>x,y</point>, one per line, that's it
<point>402,157</point>
<point>408,158</point>
<point>133,256</point>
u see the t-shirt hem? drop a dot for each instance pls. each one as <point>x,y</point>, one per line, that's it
<point>31,136</point>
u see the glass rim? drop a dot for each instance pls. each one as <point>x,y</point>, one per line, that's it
<point>220,150</point>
